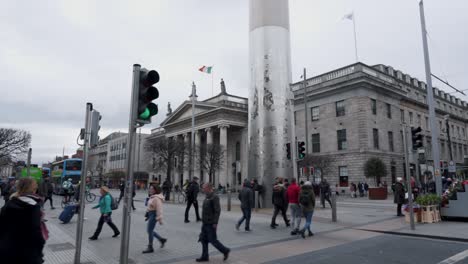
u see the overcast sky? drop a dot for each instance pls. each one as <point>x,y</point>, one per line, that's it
<point>57,55</point>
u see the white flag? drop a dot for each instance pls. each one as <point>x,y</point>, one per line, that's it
<point>349,16</point>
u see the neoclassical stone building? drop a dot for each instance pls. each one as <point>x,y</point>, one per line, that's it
<point>354,113</point>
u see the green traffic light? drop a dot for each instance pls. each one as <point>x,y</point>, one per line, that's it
<point>145,115</point>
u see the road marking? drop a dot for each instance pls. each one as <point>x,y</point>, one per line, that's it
<point>456,258</point>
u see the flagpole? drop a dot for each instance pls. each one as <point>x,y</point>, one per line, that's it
<point>355,40</point>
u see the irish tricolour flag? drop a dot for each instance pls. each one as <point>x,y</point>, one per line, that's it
<point>206,69</point>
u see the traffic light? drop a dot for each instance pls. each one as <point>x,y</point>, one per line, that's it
<point>301,149</point>
<point>288,150</point>
<point>147,93</point>
<point>416,137</point>
<point>95,118</point>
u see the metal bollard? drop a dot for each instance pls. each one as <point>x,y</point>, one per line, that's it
<point>229,200</point>
<point>256,201</point>
<point>333,206</point>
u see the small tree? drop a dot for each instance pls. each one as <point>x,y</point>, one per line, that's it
<point>322,163</point>
<point>13,142</point>
<point>375,168</point>
<point>211,158</point>
<point>164,150</point>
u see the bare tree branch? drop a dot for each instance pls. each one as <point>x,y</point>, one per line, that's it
<point>210,158</point>
<point>322,162</point>
<point>13,142</point>
<point>164,150</point>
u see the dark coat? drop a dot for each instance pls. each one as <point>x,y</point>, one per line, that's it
<point>279,195</point>
<point>309,191</point>
<point>21,239</point>
<point>211,209</point>
<point>192,191</point>
<point>167,186</point>
<point>246,196</point>
<point>45,188</point>
<point>399,193</point>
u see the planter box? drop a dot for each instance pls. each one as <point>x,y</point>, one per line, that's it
<point>378,193</point>
<point>417,217</point>
<point>430,214</point>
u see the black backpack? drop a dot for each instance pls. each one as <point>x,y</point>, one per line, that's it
<point>304,199</point>
<point>114,203</point>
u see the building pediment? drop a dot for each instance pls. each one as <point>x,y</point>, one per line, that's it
<point>184,111</point>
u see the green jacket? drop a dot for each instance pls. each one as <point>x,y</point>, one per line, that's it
<point>104,204</point>
<point>307,191</point>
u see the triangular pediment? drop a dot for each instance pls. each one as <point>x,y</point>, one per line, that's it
<point>184,111</point>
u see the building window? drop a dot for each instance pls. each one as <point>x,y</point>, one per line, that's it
<point>341,135</point>
<point>427,123</point>
<point>463,133</point>
<point>389,111</point>
<point>425,99</point>
<point>315,113</point>
<point>453,131</point>
<point>458,132</point>
<point>374,106</point>
<point>343,172</point>
<point>440,126</point>
<point>390,141</point>
<point>238,151</point>
<point>340,108</point>
<point>402,112</point>
<point>460,151</point>
<point>411,117</point>
<point>376,138</point>
<point>316,142</point>
<point>419,119</point>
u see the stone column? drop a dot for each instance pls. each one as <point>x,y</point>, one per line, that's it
<point>224,172</point>
<point>209,140</point>
<point>196,152</point>
<point>186,157</point>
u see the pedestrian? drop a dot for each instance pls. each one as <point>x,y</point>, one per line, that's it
<point>279,202</point>
<point>293,200</point>
<point>210,217</point>
<point>325,193</point>
<point>366,188</point>
<point>67,186</point>
<point>399,195</point>
<point>360,187</point>
<point>122,190</point>
<point>9,190</point>
<point>246,197</point>
<point>256,187</point>
<point>352,189</point>
<point>133,195</point>
<point>431,185</point>
<point>22,232</point>
<point>105,207</point>
<point>154,214</point>
<point>166,187</point>
<point>46,190</point>
<point>192,195</point>
<point>307,202</point>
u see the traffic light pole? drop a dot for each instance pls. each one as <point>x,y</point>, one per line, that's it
<point>126,218</point>
<point>408,176</point>
<point>79,226</point>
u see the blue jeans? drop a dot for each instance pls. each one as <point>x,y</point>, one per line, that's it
<point>246,214</point>
<point>296,215</point>
<point>308,223</point>
<point>150,228</point>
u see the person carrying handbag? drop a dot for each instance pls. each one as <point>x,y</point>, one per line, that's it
<point>154,214</point>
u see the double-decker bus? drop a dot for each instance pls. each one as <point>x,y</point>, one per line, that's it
<point>64,170</point>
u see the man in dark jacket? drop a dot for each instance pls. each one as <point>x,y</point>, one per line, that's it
<point>325,193</point>
<point>192,193</point>
<point>246,197</point>
<point>279,202</point>
<point>166,187</point>
<point>399,195</point>
<point>210,217</point>
<point>122,190</point>
<point>46,190</point>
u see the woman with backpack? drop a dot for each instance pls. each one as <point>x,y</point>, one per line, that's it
<point>307,201</point>
<point>153,215</point>
<point>105,205</point>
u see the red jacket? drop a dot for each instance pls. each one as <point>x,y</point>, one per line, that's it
<point>293,193</point>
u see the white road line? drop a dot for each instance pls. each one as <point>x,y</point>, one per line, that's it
<point>456,258</point>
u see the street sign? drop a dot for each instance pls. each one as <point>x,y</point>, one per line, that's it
<point>452,167</point>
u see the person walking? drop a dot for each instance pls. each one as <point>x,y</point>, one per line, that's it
<point>166,187</point>
<point>67,186</point>
<point>210,217</point>
<point>122,190</point>
<point>46,190</point>
<point>133,195</point>
<point>9,190</point>
<point>154,214</point>
<point>325,193</point>
<point>279,202</point>
<point>246,196</point>
<point>22,232</point>
<point>307,202</point>
<point>192,194</point>
<point>366,188</point>
<point>105,207</point>
<point>293,199</point>
<point>360,187</point>
<point>399,195</point>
